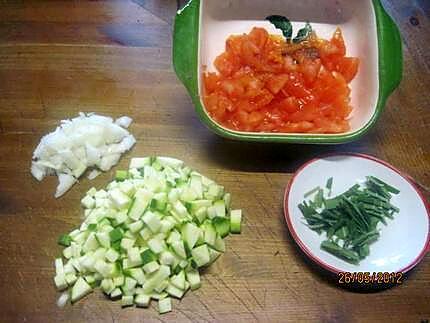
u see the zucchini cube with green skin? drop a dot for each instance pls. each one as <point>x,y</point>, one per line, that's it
<point>235,221</point>
<point>142,198</point>
<point>80,289</point>
<point>164,305</point>
<point>157,245</point>
<point>121,175</point>
<point>190,234</point>
<point>148,256</point>
<point>222,226</point>
<point>159,201</point>
<point>201,255</point>
<point>115,235</point>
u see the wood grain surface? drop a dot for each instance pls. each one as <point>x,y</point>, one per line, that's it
<point>114,57</point>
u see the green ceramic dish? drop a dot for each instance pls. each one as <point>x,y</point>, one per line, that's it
<point>202,27</point>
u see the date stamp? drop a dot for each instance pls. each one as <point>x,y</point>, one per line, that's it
<point>370,278</point>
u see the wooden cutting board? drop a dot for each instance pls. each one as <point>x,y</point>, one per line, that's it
<point>114,57</point>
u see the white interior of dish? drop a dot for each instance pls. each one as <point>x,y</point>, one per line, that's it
<point>401,240</point>
<point>219,19</point>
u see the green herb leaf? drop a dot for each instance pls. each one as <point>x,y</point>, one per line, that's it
<point>303,34</point>
<point>282,23</point>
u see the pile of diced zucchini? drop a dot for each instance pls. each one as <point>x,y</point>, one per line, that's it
<point>146,236</point>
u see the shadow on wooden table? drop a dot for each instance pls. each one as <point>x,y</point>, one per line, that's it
<point>270,157</point>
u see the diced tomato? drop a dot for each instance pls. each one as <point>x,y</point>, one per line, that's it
<point>265,84</point>
<point>210,81</point>
<point>224,64</point>
<point>277,82</point>
<point>348,67</point>
<point>337,40</point>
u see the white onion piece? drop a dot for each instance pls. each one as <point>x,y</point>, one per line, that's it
<point>93,174</point>
<point>63,299</point>
<point>65,182</point>
<point>88,140</point>
<point>124,121</point>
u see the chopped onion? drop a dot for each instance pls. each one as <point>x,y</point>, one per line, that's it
<point>89,140</point>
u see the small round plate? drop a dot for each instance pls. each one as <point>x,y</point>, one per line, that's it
<point>403,242</point>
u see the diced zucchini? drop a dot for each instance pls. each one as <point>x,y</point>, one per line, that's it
<point>201,255</point>
<point>190,234</point>
<point>135,226</point>
<point>103,239</point>
<point>71,279</point>
<point>164,305</point>
<point>209,233</point>
<point>80,289</point>
<point>116,293</point>
<point>88,202</point>
<point>157,245</point>
<point>121,175</point>
<point>119,199</point>
<point>174,291</point>
<point>167,258</point>
<point>112,255</point>
<point>179,248</point>
<point>60,282</point>
<point>219,244</point>
<point>193,278</point>
<point>127,301</point>
<point>107,285</point>
<point>161,286</point>
<point>142,198</point>
<point>140,162</point>
<point>222,226</point>
<point>151,267</point>
<point>138,275</point>
<point>142,300</point>
<point>170,162</point>
<point>178,280</point>
<point>156,278</point>
<point>235,221</point>
<point>152,221</point>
